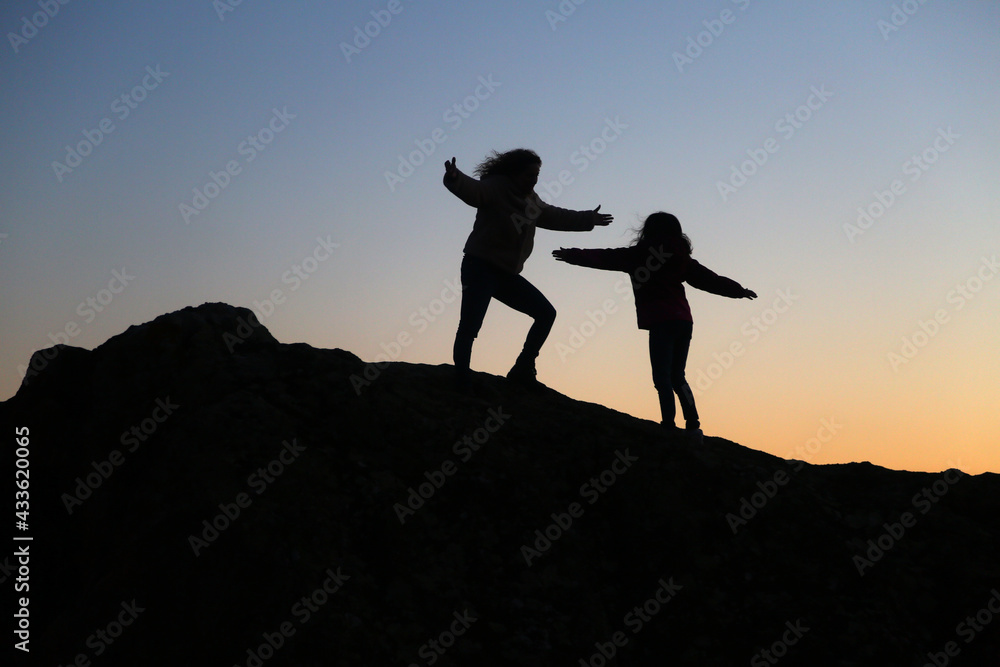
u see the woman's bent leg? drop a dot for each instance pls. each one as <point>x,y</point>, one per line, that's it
<point>516,292</point>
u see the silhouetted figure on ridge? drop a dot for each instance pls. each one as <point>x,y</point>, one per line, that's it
<point>507,212</point>
<point>659,262</point>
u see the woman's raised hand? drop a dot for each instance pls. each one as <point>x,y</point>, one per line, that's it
<point>450,170</point>
<point>601,219</point>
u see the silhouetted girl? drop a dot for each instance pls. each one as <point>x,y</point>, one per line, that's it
<point>507,212</point>
<point>659,262</point>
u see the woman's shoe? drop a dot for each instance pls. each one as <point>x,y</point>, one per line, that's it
<point>523,374</point>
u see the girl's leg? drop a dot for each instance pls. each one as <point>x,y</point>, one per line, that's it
<point>478,283</point>
<point>661,359</point>
<point>681,344</point>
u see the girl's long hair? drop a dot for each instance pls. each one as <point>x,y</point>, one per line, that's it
<point>508,163</point>
<point>659,228</point>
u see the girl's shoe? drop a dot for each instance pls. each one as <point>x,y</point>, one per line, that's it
<point>692,435</point>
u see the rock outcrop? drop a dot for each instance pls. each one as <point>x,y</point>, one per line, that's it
<point>203,494</point>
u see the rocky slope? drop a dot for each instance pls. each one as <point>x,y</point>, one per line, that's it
<point>203,494</point>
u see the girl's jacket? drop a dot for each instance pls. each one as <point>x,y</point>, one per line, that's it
<point>658,275</point>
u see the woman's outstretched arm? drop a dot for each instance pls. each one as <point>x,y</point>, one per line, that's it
<point>565,220</point>
<point>475,193</point>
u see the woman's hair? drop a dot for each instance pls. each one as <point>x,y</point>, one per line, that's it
<point>660,227</point>
<point>509,163</point>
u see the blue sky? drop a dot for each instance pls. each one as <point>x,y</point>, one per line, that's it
<point>601,98</point>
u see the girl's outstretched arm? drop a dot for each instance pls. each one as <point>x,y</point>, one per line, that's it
<point>705,279</point>
<point>609,259</point>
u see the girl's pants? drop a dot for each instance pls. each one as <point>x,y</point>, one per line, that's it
<point>668,350</point>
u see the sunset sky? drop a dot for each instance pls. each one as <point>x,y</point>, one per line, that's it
<point>840,159</point>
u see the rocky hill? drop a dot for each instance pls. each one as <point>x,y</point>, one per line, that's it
<point>203,494</point>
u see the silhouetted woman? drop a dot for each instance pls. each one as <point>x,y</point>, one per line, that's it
<point>507,212</point>
<point>659,262</point>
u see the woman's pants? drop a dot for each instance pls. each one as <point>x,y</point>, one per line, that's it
<point>483,281</point>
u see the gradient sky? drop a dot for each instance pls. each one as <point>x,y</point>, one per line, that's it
<point>604,94</point>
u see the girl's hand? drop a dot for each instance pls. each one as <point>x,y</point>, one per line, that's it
<point>601,219</point>
<point>749,294</point>
<point>560,254</point>
<point>450,170</point>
